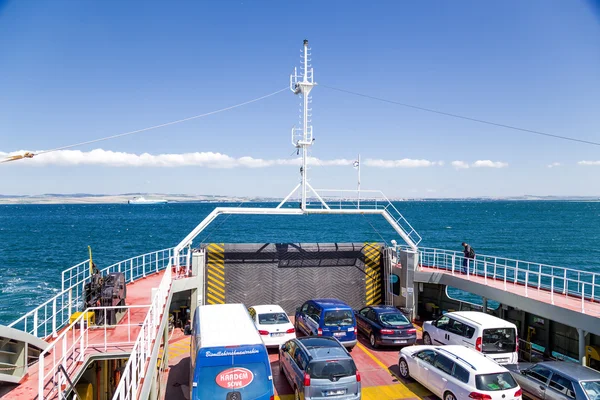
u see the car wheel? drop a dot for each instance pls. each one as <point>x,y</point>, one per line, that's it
<point>372,341</point>
<point>426,339</point>
<point>449,396</point>
<point>403,367</point>
<point>296,394</point>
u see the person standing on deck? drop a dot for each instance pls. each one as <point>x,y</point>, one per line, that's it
<point>469,254</point>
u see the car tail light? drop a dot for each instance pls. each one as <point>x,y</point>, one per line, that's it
<point>272,398</point>
<point>306,380</point>
<point>387,332</point>
<point>264,333</point>
<point>518,393</point>
<point>320,332</point>
<point>355,330</point>
<point>411,331</point>
<point>478,344</point>
<point>517,345</point>
<point>479,396</point>
<point>357,376</point>
<point>291,330</point>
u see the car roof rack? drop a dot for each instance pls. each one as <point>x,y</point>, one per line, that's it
<point>457,357</point>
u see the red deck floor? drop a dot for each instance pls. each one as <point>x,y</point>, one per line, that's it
<point>138,293</point>
<point>560,300</point>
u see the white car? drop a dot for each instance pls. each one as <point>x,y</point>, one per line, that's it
<point>456,372</point>
<point>273,324</point>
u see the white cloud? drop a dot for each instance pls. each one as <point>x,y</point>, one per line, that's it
<point>404,163</point>
<point>110,158</point>
<point>489,164</point>
<point>460,164</point>
<point>554,165</point>
<point>589,163</point>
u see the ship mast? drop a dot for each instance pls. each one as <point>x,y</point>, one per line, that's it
<point>302,137</point>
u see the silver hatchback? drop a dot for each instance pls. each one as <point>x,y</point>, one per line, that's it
<point>319,367</point>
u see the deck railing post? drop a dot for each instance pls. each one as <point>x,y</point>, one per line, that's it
<point>144,266</point>
<point>505,277</point>
<point>70,301</point>
<point>516,272</point>
<point>131,270</point>
<point>54,317</point>
<point>35,322</point>
<point>41,376</point>
<point>453,262</point>
<point>583,298</point>
<point>565,291</point>
<point>468,267</point>
<point>593,285</point>
<point>526,282</point>
<point>539,276</point>
<point>484,271</point>
<point>156,261</point>
<point>495,265</point>
<point>552,290</point>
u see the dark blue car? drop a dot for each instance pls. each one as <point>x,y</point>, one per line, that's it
<point>385,325</point>
<point>327,317</point>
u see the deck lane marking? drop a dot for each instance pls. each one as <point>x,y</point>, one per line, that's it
<point>401,386</point>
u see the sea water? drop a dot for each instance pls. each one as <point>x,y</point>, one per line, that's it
<point>37,242</point>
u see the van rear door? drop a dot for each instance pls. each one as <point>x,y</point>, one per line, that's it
<point>500,344</point>
<point>339,324</point>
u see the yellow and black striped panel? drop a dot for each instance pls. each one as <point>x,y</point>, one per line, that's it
<point>373,285</point>
<point>215,273</point>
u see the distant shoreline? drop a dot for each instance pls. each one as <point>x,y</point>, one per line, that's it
<point>124,198</point>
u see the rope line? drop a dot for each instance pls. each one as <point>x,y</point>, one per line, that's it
<point>31,155</point>
<point>481,121</point>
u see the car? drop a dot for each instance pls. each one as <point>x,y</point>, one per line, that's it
<point>556,380</point>
<point>327,317</point>
<point>486,333</point>
<point>385,325</point>
<point>273,324</point>
<point>456,372</point>
<point>319,367</point>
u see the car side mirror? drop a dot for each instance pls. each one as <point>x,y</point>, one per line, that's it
<point>298,310</point>
<point>524,372</point>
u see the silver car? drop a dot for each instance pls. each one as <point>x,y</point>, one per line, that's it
<point>556,380</point>
<point>319,367</point>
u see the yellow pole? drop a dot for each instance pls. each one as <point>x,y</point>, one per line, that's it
<point>91,262</point>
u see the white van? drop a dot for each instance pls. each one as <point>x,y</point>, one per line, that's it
<point>494,337</point>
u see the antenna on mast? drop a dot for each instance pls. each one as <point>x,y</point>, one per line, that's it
<point>302,137</point>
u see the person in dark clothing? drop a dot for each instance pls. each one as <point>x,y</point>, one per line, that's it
<point>469,254</point>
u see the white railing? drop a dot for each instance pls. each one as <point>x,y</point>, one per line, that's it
<point>568,282</point>
<point>78,340</point>
<point>45,320</point>
<point>137,365</point>
<point>364,200</point>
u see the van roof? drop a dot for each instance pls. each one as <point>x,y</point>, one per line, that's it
<point>226,325</point>
<point>481,318</point>
<point>469,357</point>
<point>331,303</point>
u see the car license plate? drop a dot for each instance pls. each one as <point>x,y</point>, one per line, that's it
<point>277,334</point>
<point>335,392</point>
<point>338,333</point>
<point>399,341</point>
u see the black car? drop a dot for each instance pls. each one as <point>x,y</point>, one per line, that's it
<point>385,325</point>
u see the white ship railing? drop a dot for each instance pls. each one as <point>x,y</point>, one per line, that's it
<point>363,200</point>
<point>49,317</point>
<point>139,360</point>
<point>70,349</point>
<point>568,282</point>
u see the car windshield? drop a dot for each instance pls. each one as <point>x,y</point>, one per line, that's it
<point>331,369</point>
<point>338,318</point>
<point>273,318</point>
<point>494,382</point>
<point>591,389</point>
<point>499,340</point>
<point>394,319</point>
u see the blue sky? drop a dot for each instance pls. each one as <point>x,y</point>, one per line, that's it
<point>72,71</point>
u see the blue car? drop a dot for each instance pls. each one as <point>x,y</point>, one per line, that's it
<point>327,317</point>
<point>385,325</point>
